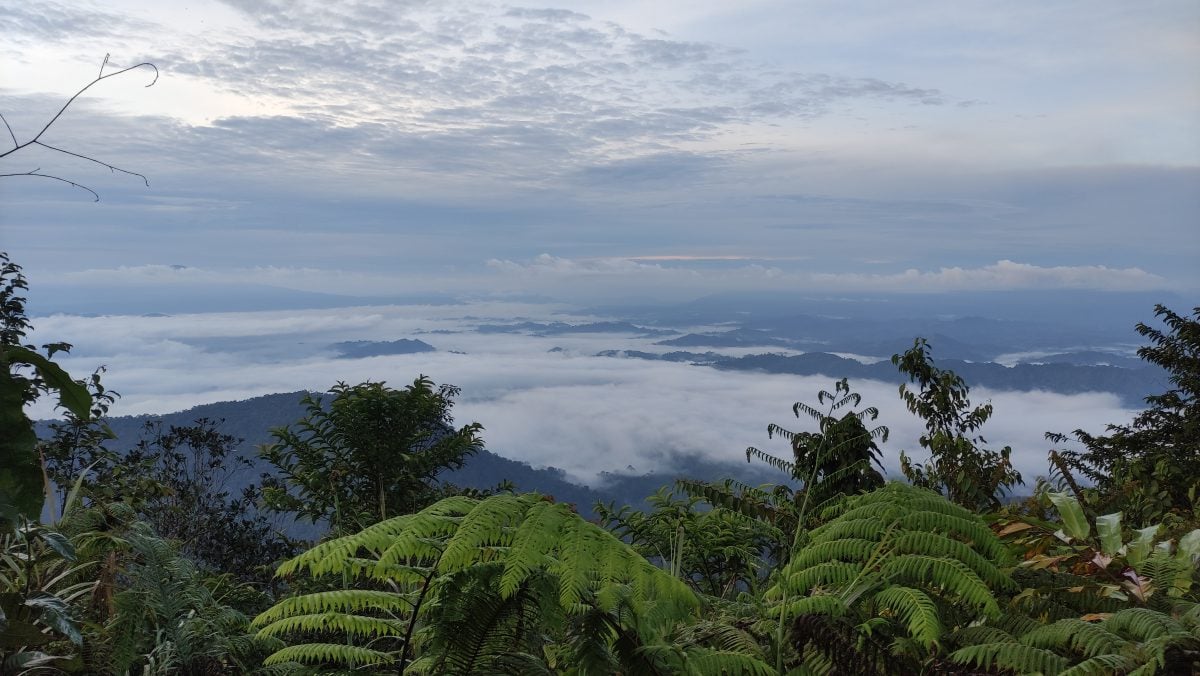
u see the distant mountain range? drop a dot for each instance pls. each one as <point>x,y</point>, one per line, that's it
<point>1132,385</point>
<point>252,419</point>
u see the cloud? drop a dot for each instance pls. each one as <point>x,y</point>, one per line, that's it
<point>548,271</point>
<point>429,138</point>
<point>33,24</point>
<point>568,409</point>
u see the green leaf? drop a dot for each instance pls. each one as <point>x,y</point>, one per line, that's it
<point>58,542</point>
<point>1139,547</point>
<point>71,395</point>
<point>1108,527</point>
<point>1074,522</point>
<point>1189,546</point>
<point>56,613</point>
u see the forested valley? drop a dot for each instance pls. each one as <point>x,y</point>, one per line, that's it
<point>123,556</point>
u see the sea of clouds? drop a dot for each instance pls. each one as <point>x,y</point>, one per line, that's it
<point>565,408</point>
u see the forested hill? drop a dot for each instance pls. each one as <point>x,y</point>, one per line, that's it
<point>252,419</point>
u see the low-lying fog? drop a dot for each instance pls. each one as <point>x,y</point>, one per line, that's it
<point>567,407</point>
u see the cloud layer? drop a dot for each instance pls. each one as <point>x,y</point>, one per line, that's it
<point>367,139</point>
<point>563,408</point>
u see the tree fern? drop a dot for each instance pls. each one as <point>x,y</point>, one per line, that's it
<point>1134,640</point>
<point>901,562</point>
<point>470,582</point>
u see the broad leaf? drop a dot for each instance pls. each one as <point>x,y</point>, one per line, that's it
<point>71,395</point>
<point>56,614</point>
<point>1108,527</point>
<point>1139,547</point>
<point>1074,522</point>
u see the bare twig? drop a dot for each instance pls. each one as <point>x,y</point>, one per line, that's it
<point>10,131</point>
<point>36,140</point>
<point>92,159</point>
<point>35,174</point>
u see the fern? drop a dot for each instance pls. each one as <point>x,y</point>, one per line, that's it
<point>900,561</point>
<point>915,610</point>
<point>350,656</point>
<point>1017,657</point>
<point>1131,641</point>
<point>472,584</point>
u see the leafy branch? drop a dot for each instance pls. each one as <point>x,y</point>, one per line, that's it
<point>37,138</point>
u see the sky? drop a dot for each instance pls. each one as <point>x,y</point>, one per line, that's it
<point>536,158</point>
<point>586,151</point>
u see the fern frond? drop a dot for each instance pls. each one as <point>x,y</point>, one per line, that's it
<point>704,662</point>
<point>916,610</point>
<point>338,601</point>
<point>1144,624</point>
<point>489,524</point>
<point>822,575</point>
<point>1102,665</point>
<point>1017,657</point>
<point>349,656</point>
<point>1086,638</point>
<point>774,461</point>
<point>352,625</point>
<point>917,542</point>
<point>945,573</point>
<point>329,556</point>
<point>853,550</point>
<point>534,538</point>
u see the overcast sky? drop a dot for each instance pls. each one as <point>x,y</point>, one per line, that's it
<point>589,148</point>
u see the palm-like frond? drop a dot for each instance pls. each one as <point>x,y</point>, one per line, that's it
<point>1134,640</point>
<point>901,556</point>
<point>472,581</point>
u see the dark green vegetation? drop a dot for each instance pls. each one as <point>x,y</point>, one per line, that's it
<point>154,557</point>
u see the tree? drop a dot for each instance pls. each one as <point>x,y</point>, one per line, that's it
<point>716,551</point>
<point>37,138</point>
<point>841,457</point>
<point>969,475</point>
<point>218,530</point>
<point>879,584</point>
<point>1151,467</point>
<point>26,375</point>
<point>75,449</point>
<point>373,453</point>
<point>467,586</point>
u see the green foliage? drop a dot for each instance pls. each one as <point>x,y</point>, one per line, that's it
<point>1136,566</point>
<point>148,609</point>
<point>716,551</point>
<point>969,475</point>
<point>188,467</point>
<point>372,453</point>
<point>1150,468</point>
<point>38,571</point>
<point>902,564</point>
<point>75,450</point>
<point>25,375</point>
<point>467,584</point>
<point>840,458</point>
<point>1134,640</point>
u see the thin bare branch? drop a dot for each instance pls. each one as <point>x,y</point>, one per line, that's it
<point>35,174</point>
<point>10,131</point>
<point>77,95</point>
<point>92,159</point>
<point>36,140</point>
